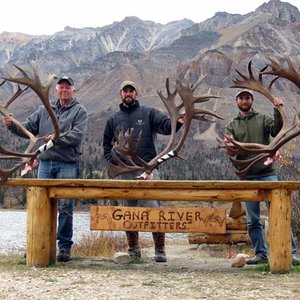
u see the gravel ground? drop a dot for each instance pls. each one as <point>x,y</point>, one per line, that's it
<point>189,273</point>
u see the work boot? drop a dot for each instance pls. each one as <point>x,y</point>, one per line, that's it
<point>63,255</point>
<point>257,260</point>
<point>134,250</point>
<point>159,245</point>
<point>295,260</point>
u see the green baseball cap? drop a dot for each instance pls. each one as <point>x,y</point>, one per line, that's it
<point>128,83</point>
<point>66,78</point>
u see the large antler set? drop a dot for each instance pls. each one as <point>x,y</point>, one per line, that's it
<point>125,152</point>
<point>43,92</point>
<point>259,151</point>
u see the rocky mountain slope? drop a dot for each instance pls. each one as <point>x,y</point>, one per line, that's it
<point>100,58</point>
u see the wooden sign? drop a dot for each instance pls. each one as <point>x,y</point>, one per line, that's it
<point>208,220</point>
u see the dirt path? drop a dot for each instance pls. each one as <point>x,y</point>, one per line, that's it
<point>189,273</point>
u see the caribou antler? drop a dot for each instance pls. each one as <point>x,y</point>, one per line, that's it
<point>261,151</point>
<point>288,73</point>
<point>125,155</point>
<point>43,92</point>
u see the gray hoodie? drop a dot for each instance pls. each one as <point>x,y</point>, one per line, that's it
<point>67,148</point>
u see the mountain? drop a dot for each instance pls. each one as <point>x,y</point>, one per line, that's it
<point>146,52</point>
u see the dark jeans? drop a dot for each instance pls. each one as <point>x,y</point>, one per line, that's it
<point>139,203</point>
<point>56,170</point>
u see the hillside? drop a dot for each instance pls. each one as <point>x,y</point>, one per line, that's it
<point>99,59</point>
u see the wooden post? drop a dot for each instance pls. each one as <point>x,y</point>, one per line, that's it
<point>39,218</point>
<point>280,231</point>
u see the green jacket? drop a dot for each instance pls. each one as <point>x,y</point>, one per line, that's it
<point>255,128</point>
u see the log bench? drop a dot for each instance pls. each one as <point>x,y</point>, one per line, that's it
<point>42,207</point>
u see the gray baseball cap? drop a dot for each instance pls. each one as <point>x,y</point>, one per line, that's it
<point>128,83</point>
<point>244,91</point>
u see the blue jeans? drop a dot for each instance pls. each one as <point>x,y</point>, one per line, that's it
<point>255,227</point>
<point>56,170</point>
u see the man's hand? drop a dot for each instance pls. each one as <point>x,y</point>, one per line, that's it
<point>278,102</point>
<point>228,145</point>
<point>145,176</point>
<point>270,160</point>
<point>7,121</point>
<point>47,138</point>
<point>182,119</point>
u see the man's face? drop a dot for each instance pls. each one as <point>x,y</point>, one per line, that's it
<point>128,95</point>
<point>64,90</point>
<point>244,102</point>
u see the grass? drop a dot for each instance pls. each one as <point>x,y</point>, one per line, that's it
<point>266,268</point>
<point>12,262</point>
<point>102,244</point>
<point>99,244</point>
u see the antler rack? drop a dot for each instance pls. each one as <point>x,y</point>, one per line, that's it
<point>43,93</point>
<point>260,151</point>
<point>125,152</point>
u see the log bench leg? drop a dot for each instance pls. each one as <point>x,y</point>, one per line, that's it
<point>280,231</point>
<point>53,231</point>
<point>39,227</point>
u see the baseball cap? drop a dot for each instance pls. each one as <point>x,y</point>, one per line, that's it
<point>244,91</point>
<point>66,78</point>
<point>128,83</point>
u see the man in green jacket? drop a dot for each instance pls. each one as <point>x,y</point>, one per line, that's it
<point>251,126</point>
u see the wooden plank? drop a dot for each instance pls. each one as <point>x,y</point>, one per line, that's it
<point>158,219</point>
<point>157,194</point>
<point>229,237</point>
<point>237,210</point>
<point>150,184</point>
<point>280,231</point>
<point>236,223</point>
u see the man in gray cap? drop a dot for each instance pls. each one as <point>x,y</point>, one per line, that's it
<point>251,126</point>
<point>147,121</point>
<point>61,160</point>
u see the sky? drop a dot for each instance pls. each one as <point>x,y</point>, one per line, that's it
<point>37,17</point>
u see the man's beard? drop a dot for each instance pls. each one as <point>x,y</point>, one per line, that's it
<point>245,108</point>
<point>128,101</point>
